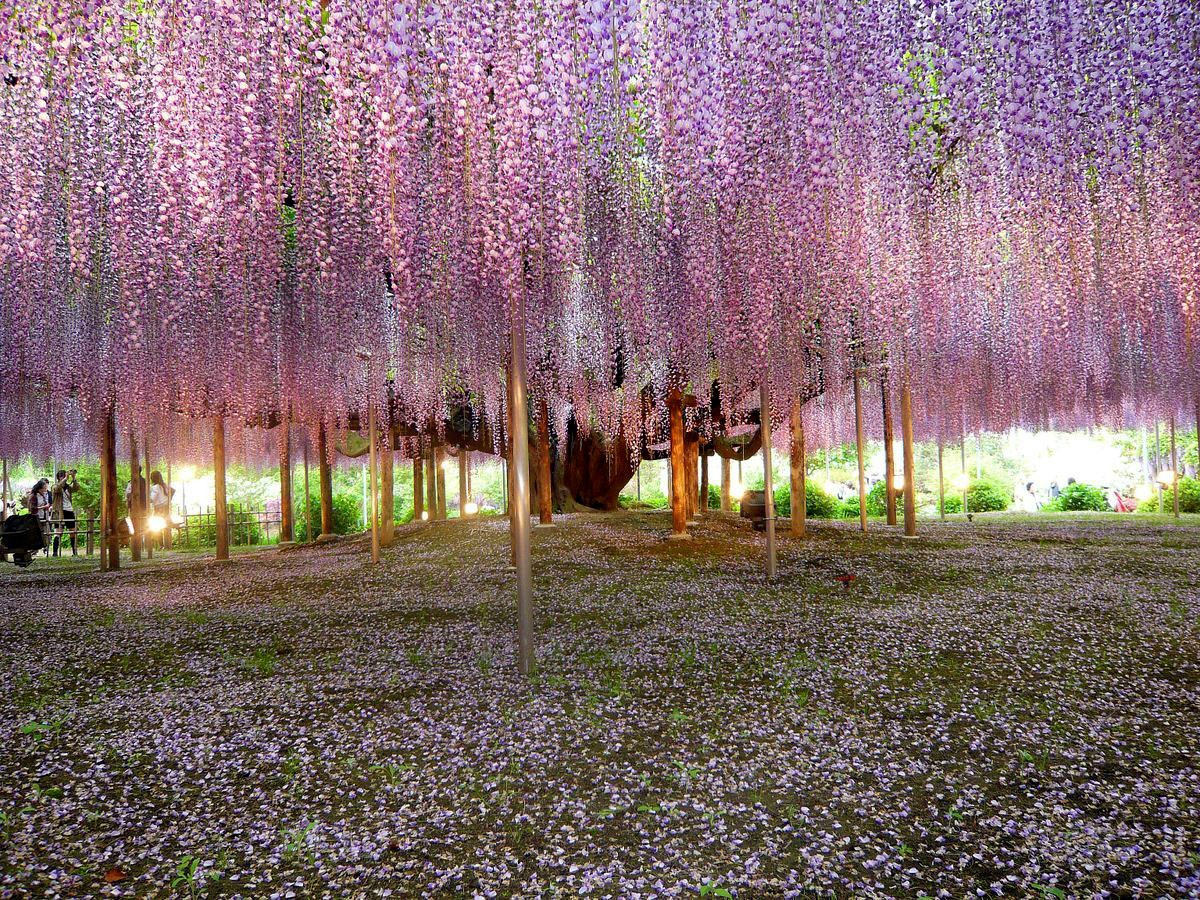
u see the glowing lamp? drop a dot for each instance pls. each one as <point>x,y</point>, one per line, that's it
<point>1143,492</point>
<point>425,516</point>
<point>156,523</point>
<point>897,482</point>
<point>470,508</point>
<point>962,481</point>
<point>737,489</point>
<point>186,473</point>
<point>1166,478</point>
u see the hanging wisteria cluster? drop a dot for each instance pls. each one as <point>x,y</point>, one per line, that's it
<point>291,210</point>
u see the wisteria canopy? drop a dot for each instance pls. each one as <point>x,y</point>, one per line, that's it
<point>214,208</point>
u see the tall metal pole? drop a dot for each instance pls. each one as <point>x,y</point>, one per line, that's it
<point>374,485</point>
<point>1174,470</point>
<point>941,482</point>
<point>858,443</point>
<point>764,415</point>
<point>519,501</point>
<point>1158,466</point>
<point>146,510</point>
<point>910,474</point>
<point>963,463</point>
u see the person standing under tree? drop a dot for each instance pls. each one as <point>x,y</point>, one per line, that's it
<point>63,509</point>
<point>160,505</point>
<point>38,503</point>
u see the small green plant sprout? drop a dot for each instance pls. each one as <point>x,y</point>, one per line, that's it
<point>678,717</point>
<point>904,851</point>
<point>1039,760</point>
<point>484,660</point>
<point>686,772</point>
<point>712,889</point>
<point>39,794</point>
<point>295,841</point>
<point>292,765</point>
<point>263,660</point>
<point>1049,890</point>
<point>187,875</point>
<point>610,812</point>
<point>416,658</point>
<point>390,772</point>
<point>41,731</point>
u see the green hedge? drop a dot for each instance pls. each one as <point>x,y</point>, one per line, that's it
<point>1189,498</point>
<point>1078,497</point>
<point>817,503</point>
<point>986,495</point>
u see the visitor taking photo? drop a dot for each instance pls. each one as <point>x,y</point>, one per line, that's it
<point>63,509</point>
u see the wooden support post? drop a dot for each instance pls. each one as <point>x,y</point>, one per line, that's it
<point>387,495</point>
<point>325,475</point>
<point>308,534</point>
<point>110,545</point>
<point>287,517</point>
<point>1174,469</point>
<point>440,471</point>
<point>462,483</point>
<point>889,454</point>
<point>966,478</point>
<point>169,531</point>
<point>910,474</point>
<point>431,494</point>
<point>703,481</point>
<point>799,464</point>
<point>135,500</point>
<point>691,449</point>
<point>418,467</point>
<point>678,468</point>
<point>4,500</point>
<point>764,415</point>
<point>146,510</point>
<point>542,459</point>
<point>941,483</point>
<point>726,504</point>
<point>519,523</point>
<point>374,508</point>
<point>222,523</point>
<point>859,440</point>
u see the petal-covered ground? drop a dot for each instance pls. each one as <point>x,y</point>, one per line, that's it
<point>1010,707</point>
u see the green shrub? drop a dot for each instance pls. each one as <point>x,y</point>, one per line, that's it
<point>1189,498</point>
<point>817,503</point>
<point>877,499</point>
<point>986,495</point>
<point>848,508</point>
<point>714,496</point>
<point>347,515</point>
<point>1078,497</point>
<point>953,503</point>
